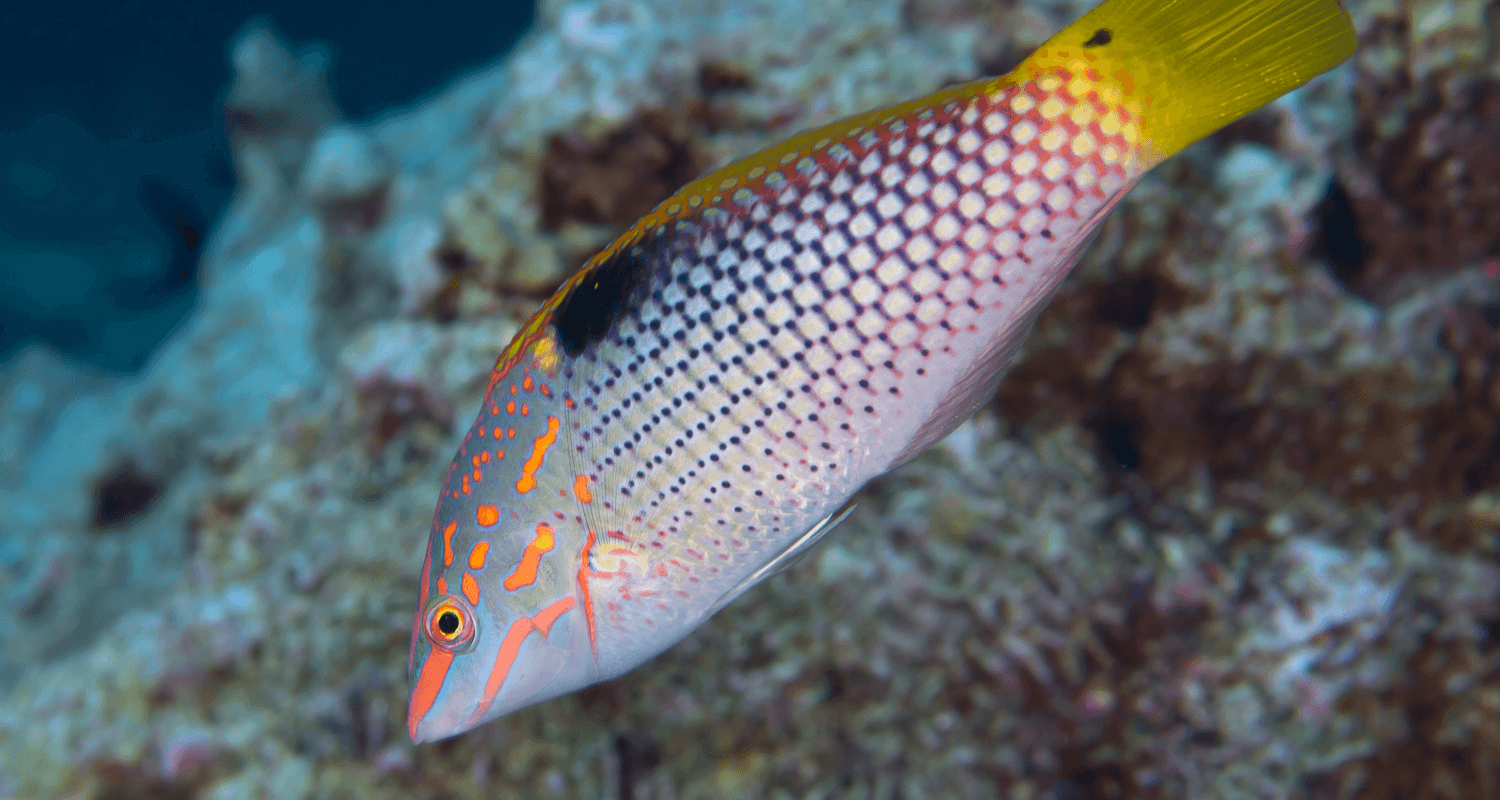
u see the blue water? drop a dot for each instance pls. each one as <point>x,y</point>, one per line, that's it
<point>113,161</point>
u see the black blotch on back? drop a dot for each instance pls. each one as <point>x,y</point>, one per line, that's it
<point>1100,37</point>
<point>596,303</point>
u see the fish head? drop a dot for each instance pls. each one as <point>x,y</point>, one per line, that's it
<point>502,620</point>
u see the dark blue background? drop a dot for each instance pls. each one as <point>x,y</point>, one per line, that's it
<point>113,163</point>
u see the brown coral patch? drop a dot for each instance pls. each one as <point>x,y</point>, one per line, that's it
<point>1423,190</point>
<point>1267,421</point>
<point>1129,685</point>
<point>616,178</point>
<point>127,782</point>
<point>1449,707</point>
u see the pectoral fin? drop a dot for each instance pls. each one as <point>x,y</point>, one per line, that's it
<point>784,559</point>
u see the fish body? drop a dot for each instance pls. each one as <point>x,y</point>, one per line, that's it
<point>699,403</point>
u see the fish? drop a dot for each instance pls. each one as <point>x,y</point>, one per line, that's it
<point>696,407</point>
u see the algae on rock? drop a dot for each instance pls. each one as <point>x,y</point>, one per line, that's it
<point>1229,529</point>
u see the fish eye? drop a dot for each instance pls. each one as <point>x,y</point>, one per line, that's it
<point>450,624</point>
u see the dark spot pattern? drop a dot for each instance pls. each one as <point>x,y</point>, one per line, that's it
<point>747,364</point>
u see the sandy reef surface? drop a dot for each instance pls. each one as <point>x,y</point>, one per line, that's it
<point>1230,529</point>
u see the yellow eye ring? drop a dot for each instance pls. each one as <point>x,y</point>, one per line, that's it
<point>450,624</point>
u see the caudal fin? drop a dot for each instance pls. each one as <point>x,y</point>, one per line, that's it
<point>1190,67</point>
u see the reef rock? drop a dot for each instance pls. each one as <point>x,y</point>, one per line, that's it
<point>1229,529</point>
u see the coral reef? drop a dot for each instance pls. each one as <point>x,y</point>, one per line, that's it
<point>1229,529</point>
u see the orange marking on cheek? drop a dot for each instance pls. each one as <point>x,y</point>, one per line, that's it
<point>527,384</point>
<point>442,585</point>
<point>479,555</point>
<point>474,460</point>
<point>513,389</point>
<point>429,683</point>
<point>581,490</point>
<point>510,433</point>
<point>448,543</point>
<point>510,408</point>
<point>495,412</point>
<point>584,569</point>
<point>499,455</point>
<point>525,410</point>
<point>486,515</point>
<point>531,558</point>
<point>546,390</point>
<point>478,476</point>
<point>568,402</point>
<point>470,588</point>
<point>538,452</point>
<point>499,432</point>
<point>484,456</point>
<point>510,647</point>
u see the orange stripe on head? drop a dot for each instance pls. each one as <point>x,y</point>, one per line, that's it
<point>510,647</point>
<point>538,452</point>
<point>470,588</point>
<point>581,490</point>
<point>442,585</point>
<point>448,543</point>
<point>583,588</point>
<point>531,558</point>
<point>429,683</point>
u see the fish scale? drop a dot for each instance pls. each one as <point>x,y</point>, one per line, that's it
<point>802,328</point>
<point>696,405</point>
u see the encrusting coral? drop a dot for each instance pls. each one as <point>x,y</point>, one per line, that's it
<point>1229,529</point>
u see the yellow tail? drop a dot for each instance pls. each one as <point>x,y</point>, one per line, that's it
<point>1189,67</point>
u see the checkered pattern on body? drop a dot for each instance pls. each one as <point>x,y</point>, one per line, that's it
<point>800,326</point>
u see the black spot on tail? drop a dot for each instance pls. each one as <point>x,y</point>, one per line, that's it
<point>610,289</point>
<point>1100,37</point>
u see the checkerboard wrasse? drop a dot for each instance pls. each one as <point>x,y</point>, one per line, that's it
<point>697,405</point>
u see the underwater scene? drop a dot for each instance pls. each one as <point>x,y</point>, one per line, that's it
<point>607,399</point>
